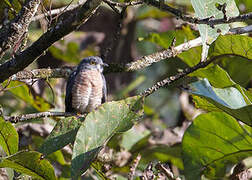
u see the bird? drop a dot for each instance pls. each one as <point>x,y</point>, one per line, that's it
<point>86,86</point>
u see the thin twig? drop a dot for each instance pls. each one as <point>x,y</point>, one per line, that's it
<point>25,117</point>
<point>132,3</point>
<point>241,30</point>
<point>169,80</point>
<point>167,171</point>
<point>55,12</point>
<point>133,167</point>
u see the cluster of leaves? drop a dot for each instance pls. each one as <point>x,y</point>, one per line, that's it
<point>216,140</point>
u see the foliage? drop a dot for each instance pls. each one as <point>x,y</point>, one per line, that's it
<point>205,138</point>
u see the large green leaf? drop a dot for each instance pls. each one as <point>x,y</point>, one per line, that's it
<point>31,163</point>
<point>62,134</point>
<point>214,142</point>
<point>8,137</point>
<point>230,100</point>
<point>100,125</point>
<point>206,9</point>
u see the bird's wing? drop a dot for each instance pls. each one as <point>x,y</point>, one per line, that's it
<point>68,98</point>
<point>104,90</point>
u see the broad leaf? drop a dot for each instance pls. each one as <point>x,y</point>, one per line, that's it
<point>8,137</point>
<point>63,133</point>
<point>230,100</point>
<point>100,125</point>
<point>212,144</point>
<point>205,9</point>
<point>31,163</point>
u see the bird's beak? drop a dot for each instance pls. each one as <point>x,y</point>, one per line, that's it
<point>105,65</point>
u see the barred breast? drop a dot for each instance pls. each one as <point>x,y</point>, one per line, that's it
<point>87,91</point>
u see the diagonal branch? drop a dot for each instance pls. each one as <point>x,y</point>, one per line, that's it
<point>62,28</point>
<point>13,32</point>
<point>169,80</point>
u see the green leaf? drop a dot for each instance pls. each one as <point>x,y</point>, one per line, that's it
<point>206,9</point>
<point>21,91</point>
<point>31,163</point>
<point>100,125</point>
<point>233,66</point>
<point>230,100</point>
<point>214,142</point>
<point>216,75</point>
<point>232,45</point>
<point>62,134</point>
<point>8,137</point>
<point>234,52</point>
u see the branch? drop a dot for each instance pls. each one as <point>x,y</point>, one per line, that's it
<point>172,79</point>
<point>12,33</point>
<point>241,30</point>
<point>25,117</point>
<point>55,11</point>
<point>209,21</point>
<point>43,73</point>
<point>145,61</point>
<point>133,167</point>
<point>131,3</point>
<point>62,28</point>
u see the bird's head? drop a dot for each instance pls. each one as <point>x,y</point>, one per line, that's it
<point>92,62</point>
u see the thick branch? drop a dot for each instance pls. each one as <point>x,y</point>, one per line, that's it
<point>62,28</point>
<point>25,117</point>
<point>13,32</point>
<point>187,18</point>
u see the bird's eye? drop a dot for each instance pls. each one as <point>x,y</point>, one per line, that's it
<point>92,62</point>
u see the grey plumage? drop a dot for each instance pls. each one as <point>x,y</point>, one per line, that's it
<point>86,86</point>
